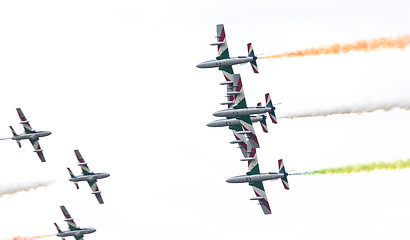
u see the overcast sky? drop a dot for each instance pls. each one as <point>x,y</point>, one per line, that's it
<point>117,80</point>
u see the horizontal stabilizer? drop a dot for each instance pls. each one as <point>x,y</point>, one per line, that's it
<point>58,228</point>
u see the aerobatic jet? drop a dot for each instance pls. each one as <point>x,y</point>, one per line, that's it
<point>223,61</point>
<point>74,231</point>
<point>235,122</point>
<point>254,178</point>
<point>88,176</point>
<point>29,134</point>
<point>247,111</point>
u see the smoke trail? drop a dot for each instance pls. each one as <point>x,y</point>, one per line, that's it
<point>12,188</point>
<point>29,238</point>
<point>361,167</point>
<point>374,44</point>
<point>363,107</point>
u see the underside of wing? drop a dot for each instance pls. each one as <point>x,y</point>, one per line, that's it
<point>261,197</point>
<point>253,168</point>
<point>24,121</point>
<point>79,236</point>
<point>96,191</point>
<point>248,129</point>
<point>37,148</point>
<point>84,167</point>
<point>70,221</point>
<point>223,52</point>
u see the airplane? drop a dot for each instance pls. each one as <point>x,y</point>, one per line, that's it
<point>88,176</point>
<point>30,134</point>
<point>247,111</point>
<point>254,178</point>
<point>233,122</point>
<point>74,231</point>
<point>223,61</point>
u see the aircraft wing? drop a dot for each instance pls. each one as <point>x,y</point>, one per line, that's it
<point>70,221</point>
<point>86,170</point>
<point>79,236</point>
<point>261,196</point>
<point>96,191</point>
<point>24,121</point>
<point>253,168</point>
<point>37,148</point>
<point>236,96</point>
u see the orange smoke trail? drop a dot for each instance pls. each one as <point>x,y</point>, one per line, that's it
<point>29,238</point>
<point>13,188</point>
<point>374,44</point>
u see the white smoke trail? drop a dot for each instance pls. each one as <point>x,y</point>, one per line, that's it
<point>362,107</point>
<point>12,188</point>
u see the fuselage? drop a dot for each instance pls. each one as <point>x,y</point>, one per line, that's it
<point>93,176</point>
<point>255,178</point>
<point>232,121</point>
<point>226,62</point>
<point>243,111</point>
<point>31,135</point>
<point>81,231</point>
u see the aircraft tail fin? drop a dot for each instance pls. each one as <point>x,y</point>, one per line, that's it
<point>284,178</point>
<point>72,176</point>
<point>263,124</point>
<point>251,53</point>
<point>58,228</point>
<point>15,134</point>
<point>272,114</point>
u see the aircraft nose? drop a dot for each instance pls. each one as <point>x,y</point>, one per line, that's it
<point>200,65</point>
<point>229,180</point>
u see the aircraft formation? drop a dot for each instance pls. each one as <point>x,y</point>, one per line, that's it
<point>87,175</point>
<point>239,118</point>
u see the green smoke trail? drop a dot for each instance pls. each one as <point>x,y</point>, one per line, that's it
<point>361,167</point>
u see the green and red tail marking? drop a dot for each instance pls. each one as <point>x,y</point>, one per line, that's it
<point>251,53</point>
<point>282,170</point>
<point>272,114</point>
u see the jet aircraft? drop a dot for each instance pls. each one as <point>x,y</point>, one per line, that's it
<point>234,122</point>
<point>254,178</point>
<point>247,111</point>
<point>223,61</point>
<point>30,134</point>
<point>74,231</point>
<point>88,176</point>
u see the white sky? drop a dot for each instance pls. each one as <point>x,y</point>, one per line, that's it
<point>117,80</point>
